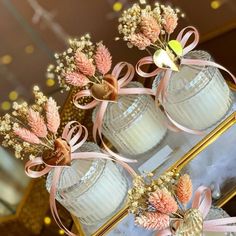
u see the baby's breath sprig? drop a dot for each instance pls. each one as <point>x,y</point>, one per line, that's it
<point>83,63</point>
<point>146,26</point>
<point>144,186</point>
<point>27,128</point>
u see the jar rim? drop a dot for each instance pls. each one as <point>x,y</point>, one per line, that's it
<point>90,172</point>
<point>195,80</point>
<point>130,108</point>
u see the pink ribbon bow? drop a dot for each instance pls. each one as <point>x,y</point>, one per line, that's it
<point>122,82</point>
<point>73,136</point>
<point>161,94</point>
<point>202,201</point>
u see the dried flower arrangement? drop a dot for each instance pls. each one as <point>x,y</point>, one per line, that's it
<point>157,202</point>
<point>148,27</point>
<point>31,130</point>
<point>83,63</point>
<point>161,204</point>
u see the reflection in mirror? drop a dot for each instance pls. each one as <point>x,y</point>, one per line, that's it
<point>215,166</point>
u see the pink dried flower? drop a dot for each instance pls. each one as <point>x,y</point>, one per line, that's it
<point>150,28</point>
<point>52,115</point>
<point>153,221</point>
<point>103,59</point>
<point>139,40</point>
<point>84,65</point>
<point>76,79</point>
<point>170,20</point>
<point>27,135</point>
<point>37,124</point>
<point>163,202</point>
<point>184,189</point>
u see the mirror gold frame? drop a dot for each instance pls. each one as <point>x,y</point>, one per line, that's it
<point>178,165</point>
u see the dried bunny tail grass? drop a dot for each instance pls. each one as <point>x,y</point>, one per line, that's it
<point>27,136</point>
<point>103,59</point>
<point>184,189</point>
<point>163,201</point>
<point>37,124</point>
<point>170,19</point>
<point>153,221</point>
<point>84,65</point>
<point>76,79</point>
<point>140,40</point>
<point>150,28</point>
<point>52,115</point>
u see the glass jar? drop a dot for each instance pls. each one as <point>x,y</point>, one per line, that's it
<point>91,190</point>
<point>197,97</point>
<point>217,213</point>
<point>133,125</point>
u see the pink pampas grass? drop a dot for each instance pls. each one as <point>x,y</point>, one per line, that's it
<point>140,40</point>
<point>76,79</point>
<point>103,59</point>
<point>27,136</point>
<point>170,20</point>
<point>52,115</point>
<point>153,221</point>
<point>150,28</point>
<point>84,65</point>
<point>184,189</point>
<point>163,202</point>
<point>37,124</point>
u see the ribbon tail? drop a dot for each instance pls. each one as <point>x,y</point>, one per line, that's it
<point>82,94</point>
<point>162,87</point>
<point>35,163</point>
<point>99,118</point>
<point>164,232</point>
<point>181,127</point>
<point>146,61</point>
<point>226,228</point>
<point>53,191</point>
<point>202,200</point>
<point>137,91</point>
<point>199,62</point>
<point>127,77</point>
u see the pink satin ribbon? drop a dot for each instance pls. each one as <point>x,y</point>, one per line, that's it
<point>72,133</point>
<point>161,95</point>
<point>122,82</point>
<point>203,201</point>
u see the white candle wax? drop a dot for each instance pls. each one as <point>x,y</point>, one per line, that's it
<point>142,134</point>
<point>102,191</point>
<point>202,109</point>
<point>103,198</point>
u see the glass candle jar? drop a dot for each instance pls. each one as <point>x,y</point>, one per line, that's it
<point>133,125</point>
<point>197,97</point>
<point>217,213</point>
<point>91,190</point>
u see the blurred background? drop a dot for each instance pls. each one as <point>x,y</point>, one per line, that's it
<point>31,31</point>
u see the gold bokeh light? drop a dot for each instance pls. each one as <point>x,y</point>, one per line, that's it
<point>117,6</point>
<point>47,220</point>
<point>29,49</point>
<point>61,232</point>
<point>50,82</point>
<point>6,59</point>
<point>215,4</point>
<point>6,105</point>
<point>13,95</point>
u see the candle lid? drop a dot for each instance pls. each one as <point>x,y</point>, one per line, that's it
<point>120,114</point>
<point>190,79</point>
<point>82,174</point>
